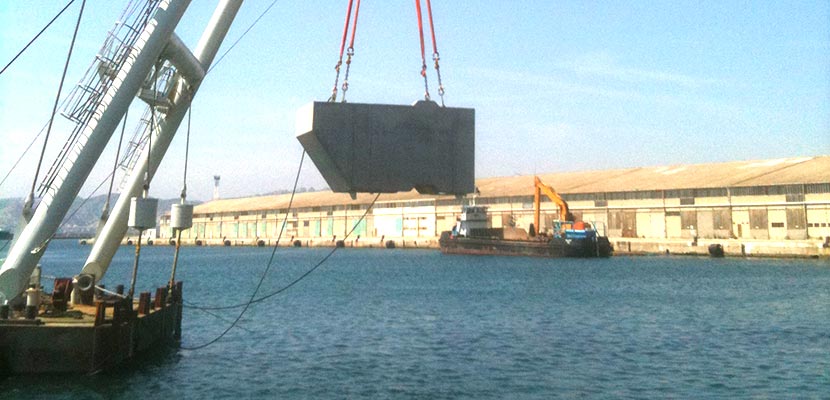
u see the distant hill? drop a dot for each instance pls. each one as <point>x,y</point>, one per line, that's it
<point>82,219</point>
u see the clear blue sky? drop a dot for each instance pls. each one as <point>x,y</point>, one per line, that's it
<point>557,86</point>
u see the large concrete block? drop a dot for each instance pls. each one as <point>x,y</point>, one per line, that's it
<point>379,148</point>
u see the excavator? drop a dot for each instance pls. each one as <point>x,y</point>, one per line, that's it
<point>565,224</point>
<point>539,188</point>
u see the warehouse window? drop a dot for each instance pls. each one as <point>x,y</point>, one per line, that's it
<point>749,191</point>
<point>583,196</point>
<point>451,202</point>
<point>817,188</point>
<point>615,196</point>
<point>712,192</point>
<point>786,189</point>
<point>680,193</point>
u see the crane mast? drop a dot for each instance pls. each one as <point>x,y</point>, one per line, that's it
<point>190,72</point>
<point>157,43</point>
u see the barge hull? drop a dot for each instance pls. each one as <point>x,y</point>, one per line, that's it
<point>46,346</point>
<point>552,248</point>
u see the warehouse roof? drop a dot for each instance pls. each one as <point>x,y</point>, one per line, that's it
<point>783,171</point>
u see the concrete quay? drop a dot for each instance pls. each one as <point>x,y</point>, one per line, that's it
<point>622,246</point>
<point>731,247</point>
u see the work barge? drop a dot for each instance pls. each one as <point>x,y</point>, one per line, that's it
<point>765,208</point>
<point>81,326</point>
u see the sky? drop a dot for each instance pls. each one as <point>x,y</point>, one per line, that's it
<point>556,85</point>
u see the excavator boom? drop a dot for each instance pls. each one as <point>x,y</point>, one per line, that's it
<point>539,188</point>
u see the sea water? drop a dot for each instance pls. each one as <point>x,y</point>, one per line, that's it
<point>380,323</point>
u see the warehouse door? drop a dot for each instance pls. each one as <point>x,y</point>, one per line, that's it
<point>629,219</point>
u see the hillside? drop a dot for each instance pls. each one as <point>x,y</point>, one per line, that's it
<point>80,222</point>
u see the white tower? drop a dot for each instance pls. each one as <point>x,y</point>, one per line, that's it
<point>215,187</point>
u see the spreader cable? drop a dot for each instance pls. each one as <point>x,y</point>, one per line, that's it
<point>349,51</point>
<point>435,55</point>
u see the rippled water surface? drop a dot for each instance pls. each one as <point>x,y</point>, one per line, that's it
<point>416,324</point>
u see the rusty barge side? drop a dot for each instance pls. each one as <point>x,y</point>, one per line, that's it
<point>537,247</point>
<point>90,338</point>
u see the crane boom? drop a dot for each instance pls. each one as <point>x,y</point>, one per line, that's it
<point>186,84</point>
<point>31,244</point>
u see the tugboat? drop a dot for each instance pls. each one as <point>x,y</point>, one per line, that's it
<point>565,238</point>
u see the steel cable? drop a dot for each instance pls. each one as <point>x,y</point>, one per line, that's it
<point>36,36</point>
<point>267,268</point>
<point>57,98</point>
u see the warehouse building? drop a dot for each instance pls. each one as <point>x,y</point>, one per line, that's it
<point>776,202</point>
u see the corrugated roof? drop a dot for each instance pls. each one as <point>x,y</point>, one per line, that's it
<point>783,171</point>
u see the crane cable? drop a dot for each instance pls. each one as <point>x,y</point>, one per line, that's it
<point>264,273</point>
<point>57,100</point>
<point>36,36</point>
<point>350,52</point>
<point>239,39</point>
<point>423,52</point>
<point>106,211</point>
<point>298,279</point>
<point>435,56</point>
<point>183,197</point>
<point>337,66</point>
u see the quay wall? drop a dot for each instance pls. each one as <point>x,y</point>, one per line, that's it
<point>622,246</point>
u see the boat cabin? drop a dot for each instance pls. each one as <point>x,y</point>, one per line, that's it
<point>472,217</point>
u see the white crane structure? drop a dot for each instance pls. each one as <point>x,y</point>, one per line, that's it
<point>156,45</point>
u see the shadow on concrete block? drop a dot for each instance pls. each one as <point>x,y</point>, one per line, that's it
<point>379,148</point>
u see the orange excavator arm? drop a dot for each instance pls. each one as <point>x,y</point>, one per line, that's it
<point>552,195</point>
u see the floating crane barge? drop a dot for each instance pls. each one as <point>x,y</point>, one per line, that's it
<point>89,338</point>
<point>81,327</point>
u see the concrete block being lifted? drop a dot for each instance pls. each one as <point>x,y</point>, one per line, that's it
<point>379,148</point>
